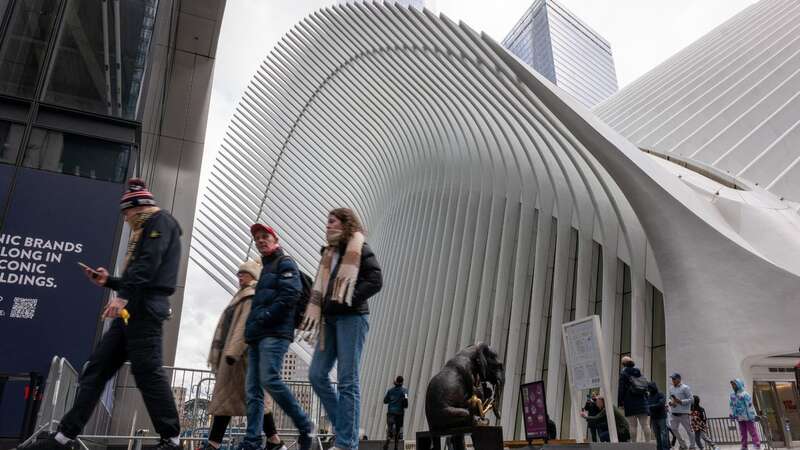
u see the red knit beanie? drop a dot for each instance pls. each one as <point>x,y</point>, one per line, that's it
<point>136,195</point>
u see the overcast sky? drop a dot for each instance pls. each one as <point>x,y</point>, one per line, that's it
<point>642,34</point>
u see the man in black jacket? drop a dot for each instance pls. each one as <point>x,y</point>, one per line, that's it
<point>397,400</point>
<point>148,278</point>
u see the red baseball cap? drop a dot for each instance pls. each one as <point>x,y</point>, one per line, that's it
<point>264,228</point>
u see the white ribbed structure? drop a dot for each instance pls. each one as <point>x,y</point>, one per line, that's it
<point>730,100</point>
<point>499,208</point>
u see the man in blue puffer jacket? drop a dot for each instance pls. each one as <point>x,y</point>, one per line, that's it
<point>269,331</point>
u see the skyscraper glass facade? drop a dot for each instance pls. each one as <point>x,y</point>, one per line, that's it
<point>566,51</point>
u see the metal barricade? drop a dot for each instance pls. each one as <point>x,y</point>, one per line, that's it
<point>192,390</point>
<point>725,431</point>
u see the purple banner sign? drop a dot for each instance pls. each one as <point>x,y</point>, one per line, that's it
<point>534,409</point>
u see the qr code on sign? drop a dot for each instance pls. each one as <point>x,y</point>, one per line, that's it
<point>24,308</point>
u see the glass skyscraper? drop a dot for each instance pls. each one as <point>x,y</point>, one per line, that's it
<point>565,50</point>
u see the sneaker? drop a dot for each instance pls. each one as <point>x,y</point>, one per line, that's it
<point>166,444</point>
<point>279,446</point>
<point>48,442</point>
<point>305,440</point>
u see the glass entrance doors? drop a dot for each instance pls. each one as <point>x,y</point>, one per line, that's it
<point>778,401</point>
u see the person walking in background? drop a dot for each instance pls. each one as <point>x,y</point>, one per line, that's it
<point>227,359</point>
<point>657,410</point>
<point>680,402</point>
<point>600,421</point>
<point>700,425</point>
<point>591,409</point>
<point>141,305</point>
<point>347,277</point>
<point>269,330</point>
<point>397,400</point>
<point>632,397</point>
<point>743,412</point>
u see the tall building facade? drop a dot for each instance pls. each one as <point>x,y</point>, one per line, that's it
<point>501,208</point>
<point>558,45</point>
<point>91,93</point>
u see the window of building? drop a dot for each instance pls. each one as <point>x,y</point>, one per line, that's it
<point>100,55</point>
<point>596,303</point>
<point>77,155</point>
<point>625,312</point>
<point>10,138</point>
<point>658,341</point>
<point>24,45</point>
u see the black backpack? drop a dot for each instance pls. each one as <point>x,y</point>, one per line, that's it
<point>305,295</point>
<point>638,386</point>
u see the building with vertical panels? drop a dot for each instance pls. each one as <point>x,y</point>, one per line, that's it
<point>91,93</point>
<point>558,45</point>
<point>501,207</point>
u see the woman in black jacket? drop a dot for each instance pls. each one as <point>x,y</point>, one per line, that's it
<point>347,277</point>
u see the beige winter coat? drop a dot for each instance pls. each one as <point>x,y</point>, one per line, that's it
<point>229,397</point>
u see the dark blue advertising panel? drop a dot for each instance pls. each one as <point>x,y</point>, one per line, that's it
<point>47,306</point>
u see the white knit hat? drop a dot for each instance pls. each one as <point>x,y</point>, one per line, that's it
<point>251,267</point>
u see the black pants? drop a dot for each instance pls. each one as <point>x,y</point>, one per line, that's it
<point>394,429</point>
<point>139,342</point>
<point>220,424</point>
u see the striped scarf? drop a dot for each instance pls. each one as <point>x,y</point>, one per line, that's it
<point>137,228</point>
<point>349,264</point>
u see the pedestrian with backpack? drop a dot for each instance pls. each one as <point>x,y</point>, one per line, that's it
<point>396,400</point>
<point>347,277</point>
<point>268,331</point>
<point>632,395</point>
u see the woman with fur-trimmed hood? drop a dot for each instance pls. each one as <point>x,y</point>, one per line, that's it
<point>227,359</point>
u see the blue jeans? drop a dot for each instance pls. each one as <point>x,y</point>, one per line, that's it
<point>264,362</point>
<point>344,338</point>
<point>660,433</point>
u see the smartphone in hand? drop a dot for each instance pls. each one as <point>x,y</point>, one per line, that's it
<point>94,274</point>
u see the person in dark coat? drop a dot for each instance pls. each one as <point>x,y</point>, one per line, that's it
<point>634,403</point>
<point>600,420</point>
<point>141,304</point>
<point>657,408</point>
<point>337,311</point>
<point>591,409</point>
<point>397,400</point>
<point>268,331</point>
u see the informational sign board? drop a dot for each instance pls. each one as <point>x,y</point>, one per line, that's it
<point>586,367</point>
<point>583,350</point>
<point>534,407</point>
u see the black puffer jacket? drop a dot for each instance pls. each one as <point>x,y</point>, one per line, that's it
<point>368,283</point>
<point>633,404</point>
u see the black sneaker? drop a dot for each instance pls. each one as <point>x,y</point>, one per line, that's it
<point>279,446</point>
<point>48,442</point>
<point>166,444</point>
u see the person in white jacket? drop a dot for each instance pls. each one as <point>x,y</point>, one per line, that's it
<point>680,403</point>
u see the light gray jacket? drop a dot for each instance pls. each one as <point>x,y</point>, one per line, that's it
<point>684,394</point>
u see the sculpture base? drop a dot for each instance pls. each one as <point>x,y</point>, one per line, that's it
<point>483,438</point>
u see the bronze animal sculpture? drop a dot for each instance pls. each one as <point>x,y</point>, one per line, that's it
<point>465,389</point>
